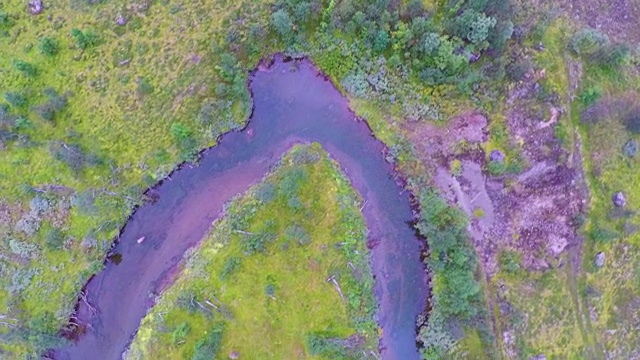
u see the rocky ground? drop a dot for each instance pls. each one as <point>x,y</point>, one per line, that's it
<point>533,211</point>
<point>616,18</point>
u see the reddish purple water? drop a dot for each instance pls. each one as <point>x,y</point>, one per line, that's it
<point>290,107</point>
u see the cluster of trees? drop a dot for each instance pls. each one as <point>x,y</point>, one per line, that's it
<point>597,48</point>
<point>437,48</point>
<point>457,300</point>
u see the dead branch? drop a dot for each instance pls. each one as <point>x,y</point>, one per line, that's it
<point>202,306</point>
<point>4,316</point>
<point>211,304</point>
<point>332,278</point>
<point>83,296</point>
<point>243,232</point>
<point>363,205</point>
<point>71,322</point>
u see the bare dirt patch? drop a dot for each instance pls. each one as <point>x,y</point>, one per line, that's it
<point>617,18</point>
<point>531,212</point>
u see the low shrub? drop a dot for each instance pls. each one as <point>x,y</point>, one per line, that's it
<point>25,68</point>
<point>54,239</point>
<point>49,46</point>
<point>15,99</point>
<point>180,333</point>
<point>230,266</point>
<point>496,168</point>
<point>587,41</point>
<point>509,261</point>
<point>84,39</point>
<point>209,346</point>
<point>297,233</point>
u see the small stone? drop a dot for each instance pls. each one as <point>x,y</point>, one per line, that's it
<point>120,20</point>
<point>497,156</point>
<point>600,259</point>
<point>35,7</point>
<point>619,200</point>
<point>234,355</point>
<point>630,149</point>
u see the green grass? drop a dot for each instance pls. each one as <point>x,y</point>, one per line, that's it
<point>610,292</point>
<point>540,314</point>
<point>103,135</point>
<point>603,300</point>
<point>273,300</point>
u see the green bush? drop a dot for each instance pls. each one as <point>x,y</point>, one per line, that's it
<point>22,123</point>
<point>453,264</point>
<point>179,131</point>
<point>42,332</point>
<point>180,333</point>
<point>603,235</point>
<point>590,95</point>
<point>230,266</point>
<point>509,261</point>
<point>266,192</point>
<point>27,69</point>
<point>297,233</point>
<point>256,243</point>
<point>587,41</point>
<point>208,347</point>
<point>144,87</point>
<point>84,39</point>
<point>49,46</point>
<point>54,105</point>
<point>282,24</point>
<point>497,168</point>
<point>15,99</point>
<point>325,346</point>
<point>54,239</point>
<point>5,20</point>
<point>186,301</point>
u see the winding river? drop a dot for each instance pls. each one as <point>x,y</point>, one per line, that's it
<point>293,103</point>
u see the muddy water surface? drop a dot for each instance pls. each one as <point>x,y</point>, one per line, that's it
<point>293,104</point>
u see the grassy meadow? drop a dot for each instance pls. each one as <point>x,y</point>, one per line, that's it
<point>97,102</point>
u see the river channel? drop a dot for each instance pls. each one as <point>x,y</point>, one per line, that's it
<point>293,103</point>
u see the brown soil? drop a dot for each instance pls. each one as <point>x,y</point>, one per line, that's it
<point>531,212</point>
<point>617,18</point>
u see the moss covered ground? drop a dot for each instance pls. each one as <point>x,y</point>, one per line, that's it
<point>261,283</point>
